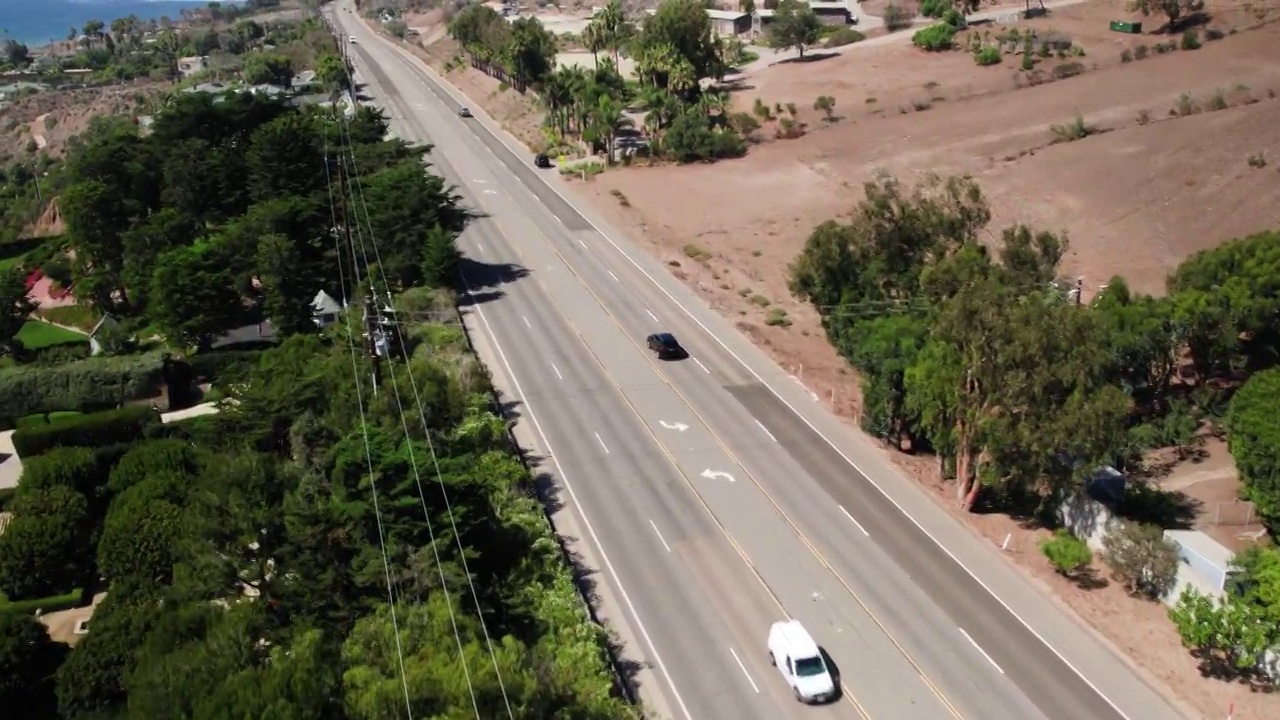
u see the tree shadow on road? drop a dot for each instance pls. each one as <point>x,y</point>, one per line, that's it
<point>483,281</point>
<point>546,491</point>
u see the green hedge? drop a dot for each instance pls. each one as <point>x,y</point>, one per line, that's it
<point>212,365</point>
<point>42,419</point>
<point>6,496</point>
<point>97,430</point>
<point>55,603</point>
<point>86,385</point>
<point>13,247</point>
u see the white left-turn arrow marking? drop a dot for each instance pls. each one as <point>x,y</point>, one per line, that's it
<point>673,426</point>
<point>713,474</point>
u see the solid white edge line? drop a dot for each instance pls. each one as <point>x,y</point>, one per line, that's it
<point>497,136</point>
<point>658,532</point>
<point>852,520</point>
<point>573,497</point>
<point>704,367</point>
<point>978,647</point>
<point>650,312</point>
<point>828,440</point>
<point>601,441</point>
<point>553,367</point>
<point>766,430</point>
<point>744,670</point>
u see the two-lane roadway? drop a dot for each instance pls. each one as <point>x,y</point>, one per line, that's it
<point>715,494</point>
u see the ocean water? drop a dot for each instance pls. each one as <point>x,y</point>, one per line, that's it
<point>36,22</point>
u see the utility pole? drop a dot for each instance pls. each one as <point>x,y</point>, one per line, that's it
<point>371,344</point>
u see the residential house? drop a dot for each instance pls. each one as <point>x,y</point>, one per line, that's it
<point>729,23</point>
<point>324,309</point>
<point>725,23</point>
<point>189,66</point>
<point>830,12</point>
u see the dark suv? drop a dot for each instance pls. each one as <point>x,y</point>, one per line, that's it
<point>666,346</point>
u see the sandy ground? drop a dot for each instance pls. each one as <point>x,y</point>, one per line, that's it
<point>1135,198</point>
<point>52,117</point>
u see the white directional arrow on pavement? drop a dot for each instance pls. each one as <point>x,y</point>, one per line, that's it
<point>713,474</point>
<point>673,426</point>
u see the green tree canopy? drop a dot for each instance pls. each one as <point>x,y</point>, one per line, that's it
<point>795,25</point>
<point>262,68</point>
<point>44,549</point>
<point>28,661</point>
<point>1253,435</point>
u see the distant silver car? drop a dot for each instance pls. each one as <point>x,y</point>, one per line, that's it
<point>464,112</point>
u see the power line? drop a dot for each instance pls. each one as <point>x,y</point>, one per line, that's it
<point>376,330</point>
<point>368,453</point>
<point>439,478</point>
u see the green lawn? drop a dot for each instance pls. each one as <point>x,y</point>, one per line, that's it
<point>35,335</point>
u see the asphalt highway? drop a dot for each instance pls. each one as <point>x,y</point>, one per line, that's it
<point>713,495</point>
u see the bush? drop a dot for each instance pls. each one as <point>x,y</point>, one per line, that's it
<point>955,19</point>
<point>934,8</point>
<point>988,55</point>
<point>895,18</point>
<point>844,36</point>
<point>1067,70</point>
<point>1067,553</point>
<point>934,38</point>
<point>96,430</point>
<point>150,458</point>
<point>43,549</point>
<point>1191,40</point>
<point>57,354</point>
<point>692,139</point>
<point>1142,559</point>
<point>207,431</point>
<point>210,366</point>
<point>73,467</point>
<point>94,384</point>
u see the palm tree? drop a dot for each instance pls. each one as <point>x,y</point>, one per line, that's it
<point>557,97</point>
<point>615,28</point>
<point>594,40</point>
<point>607,119</point>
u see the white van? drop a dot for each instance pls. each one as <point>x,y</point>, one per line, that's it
<point>797,657</point>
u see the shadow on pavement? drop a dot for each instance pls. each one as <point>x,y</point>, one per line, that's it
<point>484,280</point>
<point>544,489</point>
<point>834,669</point>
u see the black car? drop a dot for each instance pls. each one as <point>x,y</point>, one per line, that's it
<point>666,346</point>
<point>541,161</point>
<point>464,112</point>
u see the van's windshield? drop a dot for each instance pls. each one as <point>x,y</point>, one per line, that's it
<point>808,667</point>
